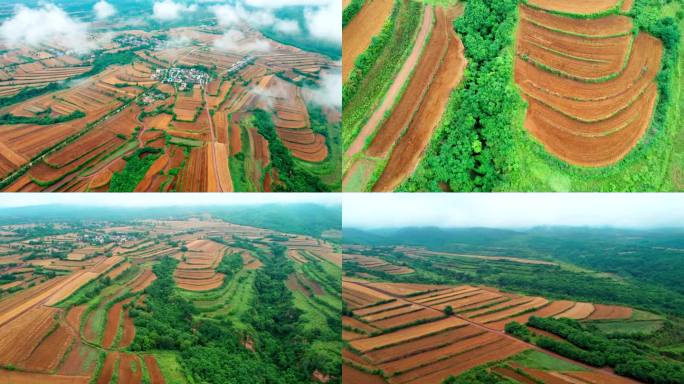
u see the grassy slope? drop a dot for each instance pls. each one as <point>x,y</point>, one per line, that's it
<point>170,367</point>
<point>539,360</point>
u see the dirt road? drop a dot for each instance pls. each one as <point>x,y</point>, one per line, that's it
<point>394,90</point>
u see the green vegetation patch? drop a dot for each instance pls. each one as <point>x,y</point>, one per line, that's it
<point>182,141</point>
<point>540,360</point>
<point>43,119</point>
<point>170,367</point>
<point>628,327</point>
<point>134,171</point>
<point>293,177</point>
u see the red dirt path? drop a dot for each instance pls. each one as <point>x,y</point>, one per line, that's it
<point>396,86</point>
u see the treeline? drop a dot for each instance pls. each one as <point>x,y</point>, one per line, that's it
<point>351,10</point>
<point>472,150</point>
<point>40,120</point>
<point>278,323</point>
<point>293,177</point>
<point>627,357</point>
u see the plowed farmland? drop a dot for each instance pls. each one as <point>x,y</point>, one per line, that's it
<point>147,123</point>
<point>357,35</point>
<point>430,348</point>
<point>396,146</point>
<point>581,127</point>
<point>129,298</point>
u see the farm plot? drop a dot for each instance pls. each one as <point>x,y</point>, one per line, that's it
<point>357,296</point>
<point>400,140</point>
<point>187,105</point>
<point>431,352</point>
<point>410,147</point>
<point>292,121</point>
<point>589,84</point>
<point>433,349</point>
<point>197,270</point>
<point>357,35</point>
<point>376,264</point>
<point>193,177</point>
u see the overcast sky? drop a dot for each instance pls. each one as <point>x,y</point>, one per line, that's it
<point>513,210</point>
<point>166,199</point>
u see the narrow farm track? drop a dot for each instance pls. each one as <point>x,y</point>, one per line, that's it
<point>394,90</point>
<point>358,34</point>
<point>406,155</point>
<point>416,90</point>
<point>484,327</point>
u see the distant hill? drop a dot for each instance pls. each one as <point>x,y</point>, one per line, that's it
<point>308,219</point>
<point>652,255</point>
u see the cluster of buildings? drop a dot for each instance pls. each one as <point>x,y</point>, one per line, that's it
<point>241,64</point>
<point>182,77</point>
<point>137,41</point>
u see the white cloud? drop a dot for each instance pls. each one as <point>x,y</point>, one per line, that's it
<point>44,25</point>
<point>512,210</point>
<point>323,18</point>
<point>236,41</point>
<point>289,27</point>
<point>168,10</point>
<point>179,41</point>
<point>329,93</point>
<point>104,10</point>
<point>233,16</point>
<point>288,3</point>
<point>325,22</point>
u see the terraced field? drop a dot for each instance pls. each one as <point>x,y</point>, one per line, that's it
<point>125,128</point>
<point>590,84</point>
<point>95,316</point>
<point>405,332</point>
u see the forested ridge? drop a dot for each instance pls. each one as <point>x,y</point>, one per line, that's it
<point>214,350</point>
